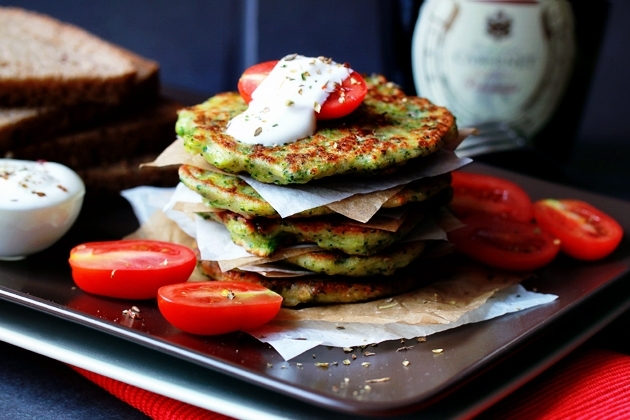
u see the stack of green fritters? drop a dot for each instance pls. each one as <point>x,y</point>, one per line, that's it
<point>353,262</point>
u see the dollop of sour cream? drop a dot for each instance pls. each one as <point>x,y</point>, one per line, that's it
<point>29,184</point>
<point>283,106</point>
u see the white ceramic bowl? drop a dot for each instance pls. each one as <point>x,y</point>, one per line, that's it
<point>39,202</point>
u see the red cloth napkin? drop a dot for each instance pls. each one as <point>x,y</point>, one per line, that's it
<point>591,384</point>
<point>153,405</point>
<point>588,384</point>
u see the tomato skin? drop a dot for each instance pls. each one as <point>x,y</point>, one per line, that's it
<point>252,77</point>
<point>354,90</point>
<point>478,193</point>
<point>586,232</point>
<point>505,243</point>
<point>204,308</point>
<point>130,269</point>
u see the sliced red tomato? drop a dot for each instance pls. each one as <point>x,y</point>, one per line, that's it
<point>345,99</point>
<point>505,243</point>
<point>586,232</point>
<point>252,77</point>
<point>478,193</point>
<point>133,269</point>
<point>217,307</point>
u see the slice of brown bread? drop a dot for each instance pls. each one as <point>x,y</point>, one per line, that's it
<point>47,62</point>
<point>146,85</point>
<point>148,130</point>
<point>125,174</point>
<point>22,126</point>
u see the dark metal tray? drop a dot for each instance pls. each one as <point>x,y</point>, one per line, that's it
<point>43,282</point>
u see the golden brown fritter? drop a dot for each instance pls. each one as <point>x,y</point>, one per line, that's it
<point>320,289</point>
<point>337,263</point>
<point>261,236</point>
<point>387,130</point>
<point>228,192</point>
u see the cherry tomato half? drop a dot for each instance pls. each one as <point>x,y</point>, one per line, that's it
<point>505,243</point>
<point>586,232</point>
<point>133,269</point>
<point>354,90</point>
<point>217,307</point>
<point>477,193</point>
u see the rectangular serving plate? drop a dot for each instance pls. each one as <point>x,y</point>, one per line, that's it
<point>43,282</point>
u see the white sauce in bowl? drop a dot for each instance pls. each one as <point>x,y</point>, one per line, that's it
<point>39,202</point>
<point>28,184</point>
<point>283,106</point>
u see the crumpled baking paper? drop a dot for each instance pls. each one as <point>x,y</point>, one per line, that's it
<point>292,338</point>
<point>358,198</point>
<point>471,296</point>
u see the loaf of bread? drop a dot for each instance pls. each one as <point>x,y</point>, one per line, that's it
<point>46,62</point>
<point>148,130</point>
<point>125,174</point>
<point>69,97</point>
<point>29,125</point>
<point>20,127</point>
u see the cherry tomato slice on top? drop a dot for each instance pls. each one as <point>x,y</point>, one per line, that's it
<point>337,105</point>
<point>133,269</point>
<point>505,243</point>
<point>217,307</point>
<point>252,77</point>
<point>478,193</point>
<point>586,232</point>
